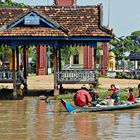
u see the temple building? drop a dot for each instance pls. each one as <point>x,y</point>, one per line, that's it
<point>57,27</point>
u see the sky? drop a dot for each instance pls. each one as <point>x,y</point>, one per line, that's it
<point>123,18</point>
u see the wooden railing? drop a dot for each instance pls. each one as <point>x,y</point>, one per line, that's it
<point>7,76</point>
<point>76,76</point>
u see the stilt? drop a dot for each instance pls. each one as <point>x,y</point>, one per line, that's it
<point>95,59</point>
<point>60,65</point>
<point>17,58</point>
<point>25,67</point>
<point>14,75</point>
<point>56,92</point>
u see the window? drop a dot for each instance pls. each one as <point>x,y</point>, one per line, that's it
<point>76,59</point>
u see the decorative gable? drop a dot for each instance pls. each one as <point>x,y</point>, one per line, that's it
<point>34,19</point>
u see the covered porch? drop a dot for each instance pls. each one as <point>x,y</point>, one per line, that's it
<point>43,26</point>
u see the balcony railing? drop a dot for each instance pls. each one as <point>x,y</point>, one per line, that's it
<point>7,76</point>
<point>76,76</point>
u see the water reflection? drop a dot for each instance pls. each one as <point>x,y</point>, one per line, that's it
<point>32,119</point>
<point>85,126</point>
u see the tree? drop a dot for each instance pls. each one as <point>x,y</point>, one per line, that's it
<point>135,36</point>
<point>11,3</point>
<point>121,47</point>
<point>5,50</point>
<point>66,53</point>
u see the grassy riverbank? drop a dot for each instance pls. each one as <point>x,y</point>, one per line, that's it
<point>103,93</point>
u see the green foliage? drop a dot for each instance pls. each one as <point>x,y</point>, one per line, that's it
<point>67,52</point>
<point>103,93</point>
<point>66,96</point>
<point>130,64</point>
<point>4,51</point>
<point>31,49</point>
<point>11,3</point>
<point>99,47</point>
<point>135,36</point>
<point>121,46</point>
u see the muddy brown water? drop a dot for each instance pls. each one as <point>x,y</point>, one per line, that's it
<point>33,119</point>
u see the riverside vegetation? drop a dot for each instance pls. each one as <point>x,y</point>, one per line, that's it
<point>103,93</point>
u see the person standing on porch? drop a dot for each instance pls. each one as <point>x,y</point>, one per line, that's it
<point>21,76</point>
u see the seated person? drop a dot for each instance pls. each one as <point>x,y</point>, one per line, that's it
<point>95,96</point>
<point>131,96</point>
<point>111,91</point>
<point>82,97</point>
<point>116,95</point>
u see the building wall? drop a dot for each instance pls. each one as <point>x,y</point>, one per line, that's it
<point>80,50</point>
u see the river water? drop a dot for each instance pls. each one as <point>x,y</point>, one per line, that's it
<point>33,119</point>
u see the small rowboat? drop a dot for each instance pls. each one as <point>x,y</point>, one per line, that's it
<point>72,109</point>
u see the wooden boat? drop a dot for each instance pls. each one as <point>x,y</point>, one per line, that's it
<point>71,108</point>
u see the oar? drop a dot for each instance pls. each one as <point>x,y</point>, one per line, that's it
<point>68,107</point>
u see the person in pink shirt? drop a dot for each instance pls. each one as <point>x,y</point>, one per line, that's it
<point>82,97</point>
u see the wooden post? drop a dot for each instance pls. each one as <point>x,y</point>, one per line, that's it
<point>41,59</point>
<point>55,70</point>
<point>104,68</point>
<point>25,67</point>
<point>17,56</point>
<point>95,59</point>
<point>60,65</point>
<point>25,62</point>
<point>14,75</point>
<point>90,57</point>
<point>85,57</point>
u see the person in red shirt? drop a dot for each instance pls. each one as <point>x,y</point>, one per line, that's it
<point>82,97</point>
<point>131,96</point>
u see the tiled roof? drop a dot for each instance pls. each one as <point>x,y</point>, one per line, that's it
<point>32,31</point>
<point>79,21</point>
